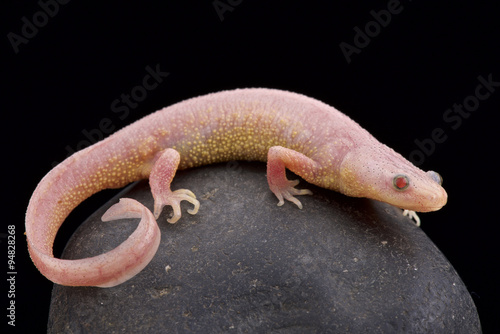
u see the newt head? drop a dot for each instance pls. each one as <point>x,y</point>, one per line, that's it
<point>384,175</point>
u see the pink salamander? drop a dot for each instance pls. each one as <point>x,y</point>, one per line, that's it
<point>288,130</point>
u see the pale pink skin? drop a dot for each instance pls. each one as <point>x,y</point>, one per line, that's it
<point>312,139</point>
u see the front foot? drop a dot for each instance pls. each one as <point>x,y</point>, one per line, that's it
<point>278,159</point>
<point>413,215</point>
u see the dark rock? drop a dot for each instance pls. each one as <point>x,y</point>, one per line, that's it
<point>244,265</point>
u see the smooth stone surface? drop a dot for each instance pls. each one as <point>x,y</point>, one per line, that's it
<point>244,265</point>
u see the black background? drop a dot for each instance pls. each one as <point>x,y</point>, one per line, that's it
<point>399,86</point>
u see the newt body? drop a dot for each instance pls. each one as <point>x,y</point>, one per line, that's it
<point>288,130</point>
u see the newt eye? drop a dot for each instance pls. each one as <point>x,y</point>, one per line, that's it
<point>400,182</point>
<point>435,176</point>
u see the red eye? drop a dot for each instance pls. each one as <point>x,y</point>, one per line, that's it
<point>401,182</point>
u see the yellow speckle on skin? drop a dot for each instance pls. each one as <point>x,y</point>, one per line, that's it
<point>201,137</point>
<point>236,135</point>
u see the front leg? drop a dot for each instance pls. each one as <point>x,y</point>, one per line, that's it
<point>279,158</point>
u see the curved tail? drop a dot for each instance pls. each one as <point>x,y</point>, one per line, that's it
<point>61,190</point>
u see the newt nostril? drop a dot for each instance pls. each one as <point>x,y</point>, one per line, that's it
<point>432,198</point>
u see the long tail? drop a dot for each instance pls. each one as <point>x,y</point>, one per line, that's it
<point>65,187</point>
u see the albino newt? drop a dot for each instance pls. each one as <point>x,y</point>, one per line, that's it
<point>288,130</point>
